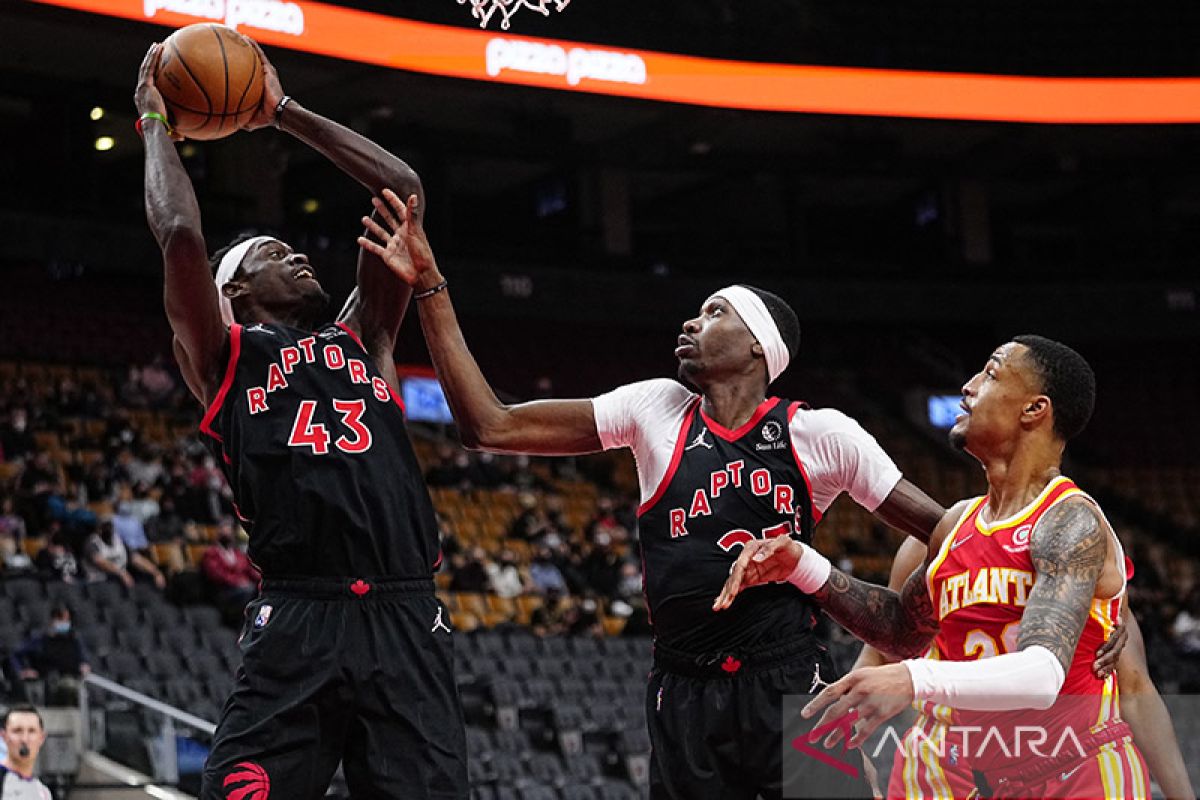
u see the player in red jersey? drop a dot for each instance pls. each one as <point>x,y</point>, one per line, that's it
<point>1019,589</point>
<point>921,770</point>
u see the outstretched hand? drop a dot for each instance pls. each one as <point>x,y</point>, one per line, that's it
<point>272,93</point>
<point>762,561</point>
<point>146,97</point>
<point>402,245</point>
<point>1109,653</point>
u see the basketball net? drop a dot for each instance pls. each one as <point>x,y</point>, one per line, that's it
<point>484,10</point>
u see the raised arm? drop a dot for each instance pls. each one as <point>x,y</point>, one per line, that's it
<point>1143,708</point>
<point>376,308</point>
<point>189,294</point>
<point>544,427</point>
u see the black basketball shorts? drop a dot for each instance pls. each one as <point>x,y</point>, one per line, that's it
<point>717,725</point>
<point>357,671</point>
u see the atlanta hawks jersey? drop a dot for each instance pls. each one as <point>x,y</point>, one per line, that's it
<point>314,445</point>
<point>725,488</point>
<point>980,583</point>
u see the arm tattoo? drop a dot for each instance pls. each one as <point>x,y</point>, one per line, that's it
<point>1068,548</point>
<point>900,624</point>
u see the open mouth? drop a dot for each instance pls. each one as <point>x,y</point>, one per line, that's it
<point>685,348</point>
<point>304,273</point>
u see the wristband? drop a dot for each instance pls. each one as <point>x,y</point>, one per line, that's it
<point>282,104</point>
<point>152,115</point>
<point>441,287</point>
<point>811,571</point>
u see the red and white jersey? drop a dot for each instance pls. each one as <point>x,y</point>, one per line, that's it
<point>980,584</point>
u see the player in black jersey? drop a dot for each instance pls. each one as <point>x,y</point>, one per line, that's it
<point>346,653</point>
<point>719,467</point>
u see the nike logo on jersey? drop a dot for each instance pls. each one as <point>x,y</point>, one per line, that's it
<point>1063,776</point>
<point>954,545</point>
<point>699,442</point>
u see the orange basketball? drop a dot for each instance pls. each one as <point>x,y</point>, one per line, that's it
<point>211,79</point>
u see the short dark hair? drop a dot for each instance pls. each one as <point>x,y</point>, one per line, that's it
<point>214,261</point>
<point>24,708</point>
<point>785,318</point>
<point>1067,379</point>
<point>60,610</point>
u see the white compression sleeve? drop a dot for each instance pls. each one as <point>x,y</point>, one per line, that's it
<point>1030,678</point>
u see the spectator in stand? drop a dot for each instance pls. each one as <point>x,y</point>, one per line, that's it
<point>133,535</point>
<point>56,656</point>
<point>504,576</point>
<point>544,574</point>
<point>229,572</point>
<point>472,574</point>
<point>56,562</point>
<point>106,557</point>
<point>1186,627</point>
<point>629,587</point>
<point>603,567</point>
<point>531,524</point>
<point>35,486</point>
<point>586,620</point>
<point>168,525</point>
<point>157,382</point>
<point>12,530</point>
<point>605,522</point>
<point>16,441</point>
<point>555,616</point>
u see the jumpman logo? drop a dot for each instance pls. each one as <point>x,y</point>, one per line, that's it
<point>817,683</point>
<point>699,441</point>
<point>437,623</point>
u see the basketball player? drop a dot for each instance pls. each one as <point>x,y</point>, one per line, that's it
<point>346,654</point>
<point>720,464</point>
<point>923,770</point>
<point>1020,588</point>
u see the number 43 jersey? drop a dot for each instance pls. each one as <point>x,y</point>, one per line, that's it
<point>315,448</point>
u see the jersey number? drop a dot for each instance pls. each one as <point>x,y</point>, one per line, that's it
<point>978,644</point>
<point>314,435</point>
<point>740,537</point>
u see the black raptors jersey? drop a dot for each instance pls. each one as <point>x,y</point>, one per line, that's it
<point>722,489</point>
<point>315,448</point>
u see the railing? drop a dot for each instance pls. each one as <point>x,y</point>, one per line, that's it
<point>164,756</point>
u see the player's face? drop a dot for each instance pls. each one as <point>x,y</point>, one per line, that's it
<point>994,401</point>
<point>278,277</point>
<point>715,343</point>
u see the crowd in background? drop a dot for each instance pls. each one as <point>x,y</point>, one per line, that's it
<point>100,498</point>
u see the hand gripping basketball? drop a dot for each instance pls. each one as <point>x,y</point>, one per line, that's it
<point>146,97</point>
<point>272,94</point>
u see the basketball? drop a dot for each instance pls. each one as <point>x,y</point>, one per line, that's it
<point>211,79</point>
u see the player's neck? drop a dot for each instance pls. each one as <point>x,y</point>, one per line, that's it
<point>1017,478</point>
<point>732,403</point>
<point>22,768</point>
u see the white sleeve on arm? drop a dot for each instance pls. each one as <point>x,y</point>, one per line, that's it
<point>1029,678</point>
<point>842,457</point>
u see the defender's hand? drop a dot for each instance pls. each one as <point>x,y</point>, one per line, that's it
<point>272,93</point>
<point>404,249</point>
<point>762,561</point>
<point>860,702</point>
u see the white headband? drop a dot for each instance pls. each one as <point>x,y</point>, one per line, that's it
<point>753,312</point>
<point>225,272</point>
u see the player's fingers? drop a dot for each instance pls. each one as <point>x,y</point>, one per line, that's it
<point>829,694</point>
<point>375,229</point>
<point>371,247</point>
<point>386,215</point>
<point>146,70</point>
<point>413,205</point>
<point>397,205</point>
